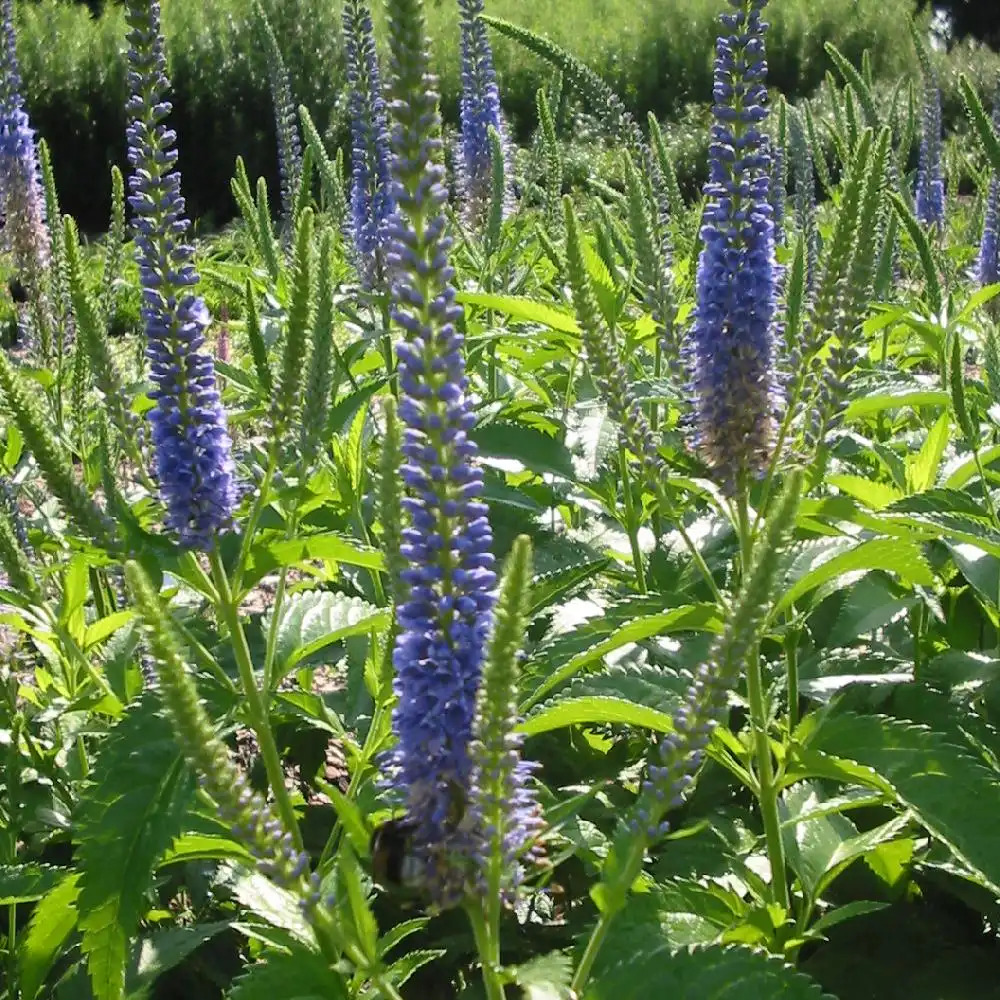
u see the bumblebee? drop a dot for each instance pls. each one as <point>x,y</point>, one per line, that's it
<point>394,861</point>
<point>17,291</point>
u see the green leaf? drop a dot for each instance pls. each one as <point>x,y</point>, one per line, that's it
<point>701,974</point>
<point>523,308</point>
<point>162,950</point>
<point>51,925</point>
<point>548,588</point>
<point>298,975</point>
<point>644,692</point>
<point>944,786</point>
<point>821,846</point>
<point>567,659</point>
<point>268,901</point>
<point>105,627</point>
<point>26,883</point>
<point>266,557</point>
<point>893,398</point>
<point>313,620</point>
<point>822,560</point>
<point>873,494</point>
<point>922,468</point>
<point>546,977</point>
<point>125,821</point>
<point>980,568</point>
<point>534,449</point>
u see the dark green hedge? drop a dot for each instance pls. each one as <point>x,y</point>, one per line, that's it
<point>656,53</point>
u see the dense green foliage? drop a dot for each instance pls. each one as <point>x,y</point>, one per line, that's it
<point>658,57</point>
<point>839,834</point>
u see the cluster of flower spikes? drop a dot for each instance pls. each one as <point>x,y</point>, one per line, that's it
<point>448,583</point>
<point>988,260</point>
<point>930,181</point>
<point>731,344</point>
<point>372,205</point>
<point>23,205</point>
<point>479,111</point>
<point>192,448</point>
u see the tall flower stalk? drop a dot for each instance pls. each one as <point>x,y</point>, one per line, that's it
<point>988,261</point>
<point>372,206</point>
<point>192,448</point>
<point>22,201</point>
<point>448,585</point>
<point>930,180</point>
<point>732,342</point>
<point>479,111</point>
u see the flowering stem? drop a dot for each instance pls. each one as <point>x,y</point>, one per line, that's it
<point>767,795</point>
<point>631,866</point>
<point>631,525</point>
<point>792,676</point>
<point>487,937</point>
<point>255,705</point>
<point>250,528</point>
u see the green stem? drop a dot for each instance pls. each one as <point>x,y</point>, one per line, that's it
<point>488,945</point>
<point>631,524</point>
<point>255,705</point>
<point>767,794</point>
<point>792,676</point>
<point>600,932</point>
<point>250,528</point>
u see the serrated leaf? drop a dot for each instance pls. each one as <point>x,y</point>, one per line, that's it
<point>873,494</point>
<point>301,975</point>
<point>546,977</point>
<point>161,951</point>
<point>268,556</point>
<point>523,308</point>
<point>531,447</point>
<point>562,667</point>
<point>51,924</point>
<point>125,821</point>
<point>268,901</point>
<point>403,968</point>
<point>894,397</point>
<point>822,560</point>
<point>316,619</point>
<point>26,883</point>
<point>547,588</point>
<point>701,974</point>
<point>980,568</point>
<point>594,709</point>
<point>922,468</point>
<point>943,785</point>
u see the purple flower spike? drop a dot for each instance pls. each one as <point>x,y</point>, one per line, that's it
<point>731,348</point>
<point>930,182</point>
<point>23,205</point>
<point>372,206</point>
<point>479,111</point>
<point>192,448</point>
<point>988,261</point>
<point>449,582</point>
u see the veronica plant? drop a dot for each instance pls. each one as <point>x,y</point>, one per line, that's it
<point>449,581</point>
<point>732,341</point>
<point>988,260</point>
<point>479,112</point>
<point>192,448</point>
<point>930,179</point>
<point>23,205</point>
<point>371,202</point>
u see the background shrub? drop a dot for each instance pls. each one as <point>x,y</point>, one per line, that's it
<point>656,53</point>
